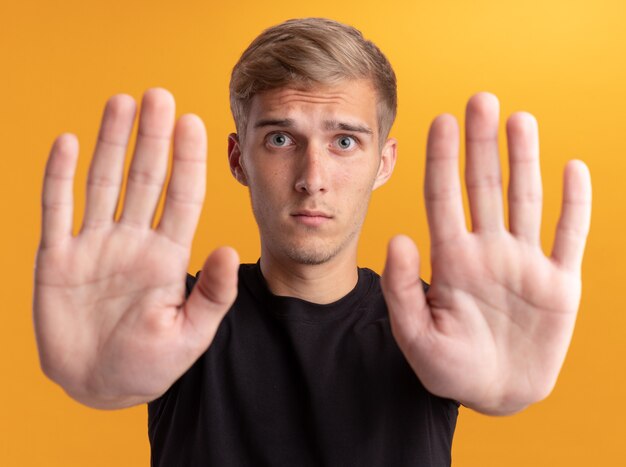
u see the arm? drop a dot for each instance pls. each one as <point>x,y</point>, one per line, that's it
<point>112,324</point>
<point>494,328</point>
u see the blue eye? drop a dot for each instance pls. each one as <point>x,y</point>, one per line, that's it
<point>279,140</point>
<point>346,142</point>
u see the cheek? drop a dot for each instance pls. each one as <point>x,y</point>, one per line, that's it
<point>353,195</point>
<point>356,181</point>
<point>267,188</point>
<point>344,177</point>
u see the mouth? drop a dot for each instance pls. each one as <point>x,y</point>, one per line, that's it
<point>309,213</point>
<point>311,218</point>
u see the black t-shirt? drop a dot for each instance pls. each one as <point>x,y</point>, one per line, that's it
<point>287,382</point>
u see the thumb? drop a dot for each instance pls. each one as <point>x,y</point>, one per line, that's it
<point>212,296</point>
<point>403,291</point>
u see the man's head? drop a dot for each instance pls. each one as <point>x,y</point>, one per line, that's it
<point>306,52</point>
<point>313,104</point>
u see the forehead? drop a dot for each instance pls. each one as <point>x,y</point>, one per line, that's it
<point>353,100</point>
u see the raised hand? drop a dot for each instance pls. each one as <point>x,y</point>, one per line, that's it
<point>493,330</point>
<point>111,321</point>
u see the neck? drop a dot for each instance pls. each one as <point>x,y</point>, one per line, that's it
<point>317,283</point>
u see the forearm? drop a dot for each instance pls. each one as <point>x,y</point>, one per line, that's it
<point>495,409</point>
<point>103,402</point>
<point>508,403</point>
<point>96,396</point>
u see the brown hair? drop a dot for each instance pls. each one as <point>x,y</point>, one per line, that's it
<point>309,51</point>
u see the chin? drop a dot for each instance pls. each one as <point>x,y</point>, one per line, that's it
<point>310,257</point>
<point>310,254</point>
<point>314,251</point>
<point>309,249</point>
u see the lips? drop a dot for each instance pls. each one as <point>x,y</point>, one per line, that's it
<point>311,218</point>
<point>307,213</point>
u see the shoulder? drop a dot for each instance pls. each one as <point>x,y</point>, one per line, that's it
<point>245,271</point>
<point>376,278</point>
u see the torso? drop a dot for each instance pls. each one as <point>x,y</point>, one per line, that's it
<point>291,383</point>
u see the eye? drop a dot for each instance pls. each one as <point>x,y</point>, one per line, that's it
<point>279,140</point>
<point>346,142</point>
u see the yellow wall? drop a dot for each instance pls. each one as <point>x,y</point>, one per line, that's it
<point>564,61</point>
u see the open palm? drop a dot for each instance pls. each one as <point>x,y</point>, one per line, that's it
<point>493,330</point>
<point>112,324</point>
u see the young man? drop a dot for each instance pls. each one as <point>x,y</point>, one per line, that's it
<point>303,358</point>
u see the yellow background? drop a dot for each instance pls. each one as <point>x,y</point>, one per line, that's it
<point>564,61</point>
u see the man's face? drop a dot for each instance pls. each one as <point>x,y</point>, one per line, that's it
<point>311,159</point>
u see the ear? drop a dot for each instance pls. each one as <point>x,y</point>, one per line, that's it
<point>234,159</point>
<point>387,162</point>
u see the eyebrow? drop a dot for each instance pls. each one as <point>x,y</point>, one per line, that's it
<point>329,125</point>
<point>357,128</point>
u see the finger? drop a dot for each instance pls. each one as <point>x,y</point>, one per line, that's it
<point>442,188</point>
<point>573,226</point>
<point>403,291</point>
<point>525,192</point>
<point>211,297</point>
<point>482,170</point>
<point>186,190</point>
<point>57,199</point>
<point>106,172</point>
<point>149,165</point>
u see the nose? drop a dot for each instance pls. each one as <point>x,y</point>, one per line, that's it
<point>312,176</point>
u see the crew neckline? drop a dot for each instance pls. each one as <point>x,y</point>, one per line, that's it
<point>296,309</point>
